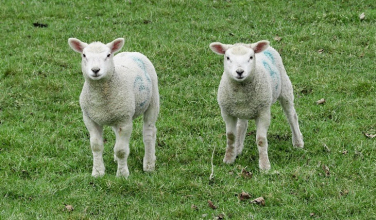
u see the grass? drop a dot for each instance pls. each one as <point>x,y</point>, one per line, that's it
<point>44,146</point>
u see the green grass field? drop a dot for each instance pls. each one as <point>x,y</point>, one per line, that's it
<point>46,161</point>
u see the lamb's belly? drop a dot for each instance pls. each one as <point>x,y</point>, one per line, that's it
<point>107,115</point>
<point>242,111</point>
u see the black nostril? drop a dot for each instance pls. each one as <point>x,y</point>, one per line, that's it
<point>239,72</point>
<point>95,70</point>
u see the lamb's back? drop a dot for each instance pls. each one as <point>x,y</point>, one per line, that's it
<point>139,77</point>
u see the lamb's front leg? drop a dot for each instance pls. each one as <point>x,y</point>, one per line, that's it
<point>262,126</point>
<point>96,143</point>
<point>241,130</point>
<point>121,149</point>
<point>231,153</point>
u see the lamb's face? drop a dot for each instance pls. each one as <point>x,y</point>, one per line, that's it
<point>239,59</point>
<point>239,62</point>
<point>97,58</point>
<point>97,61</point>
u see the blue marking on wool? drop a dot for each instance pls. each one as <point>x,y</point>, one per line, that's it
<point>269,69</point>
<point>139,82</point>
<point>141,64</point>
<point>269,55</point>
<point>143,103</point>
<point>274,74</point>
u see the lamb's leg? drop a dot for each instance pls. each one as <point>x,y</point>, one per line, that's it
<point>241,130</point>
<point>288,108</point>
<point>149,136</point>
<point>230,121</point>
<point>96,143</point>
<point>262,126</point>
<point>121,149</point>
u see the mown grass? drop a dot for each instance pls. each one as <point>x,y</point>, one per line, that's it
<point>44,146</point>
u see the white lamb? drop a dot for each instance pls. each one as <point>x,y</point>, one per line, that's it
<point>254,78</point>
<point>117,89</point>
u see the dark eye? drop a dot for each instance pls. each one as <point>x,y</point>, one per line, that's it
<point>83,55</point>
<point>251,57</point>
<point>108,55</point>
<point>228,58</point>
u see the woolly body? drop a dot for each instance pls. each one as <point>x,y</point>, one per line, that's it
<point>117,89</point>
<point>131,79</point>
<point>253,79</point>
<point>246,99</point>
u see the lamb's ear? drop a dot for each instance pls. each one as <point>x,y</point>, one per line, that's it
<point>219,48</point>
<point>76,44</point>
<point>116,45</point>
<point>260,46</point>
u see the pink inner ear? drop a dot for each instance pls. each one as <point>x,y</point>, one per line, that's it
<point>260,47</point>
<point>219,49</point>
<point>116,46</point>
<point>78,46</point>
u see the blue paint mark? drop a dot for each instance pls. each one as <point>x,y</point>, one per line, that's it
<point>273,73</point>
<point>143,103</point>
<point>141,64</point>
<point>269,55</point>
<point>139,82</point>
<point>269,69</point>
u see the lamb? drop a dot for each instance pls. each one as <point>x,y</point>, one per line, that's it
<point>253,79</point>
<point>117,89</point>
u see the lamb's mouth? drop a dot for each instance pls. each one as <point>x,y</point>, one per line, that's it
<point>96,76</point>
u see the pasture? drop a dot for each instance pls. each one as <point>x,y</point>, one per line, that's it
<point>328,51</point>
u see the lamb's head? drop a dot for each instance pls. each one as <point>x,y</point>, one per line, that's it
<point>97,58</point>
<point>239,59</point>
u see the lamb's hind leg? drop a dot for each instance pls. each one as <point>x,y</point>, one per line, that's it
<point>96,143</point>
<point>121,149</point>
<point>149,136</point>
<point>288,107</point>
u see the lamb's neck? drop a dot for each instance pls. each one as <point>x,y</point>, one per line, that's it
<point>102,88</point>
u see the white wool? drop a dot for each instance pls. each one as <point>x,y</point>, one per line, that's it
<point>117,89</point>
<point>253,79</point>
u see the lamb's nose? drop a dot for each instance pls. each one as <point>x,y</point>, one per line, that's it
<point>239,72</point>
<point>95,70</point>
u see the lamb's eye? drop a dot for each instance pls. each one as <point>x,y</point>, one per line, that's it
<point>251,57</point>
<point>108,55</point>
<point>83,55</point>
<point>228,58</point>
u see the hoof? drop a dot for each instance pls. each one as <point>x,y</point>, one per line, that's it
<point>149,167</point>
<point>98,170</point>
<point>264,165</point>
<point>299,145</point>
<point>122,173</point>
<point>95,173</point>
<point>238,153</point>
<point>229,160</point>
<point>149,164</point>
<point>230,155</point>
